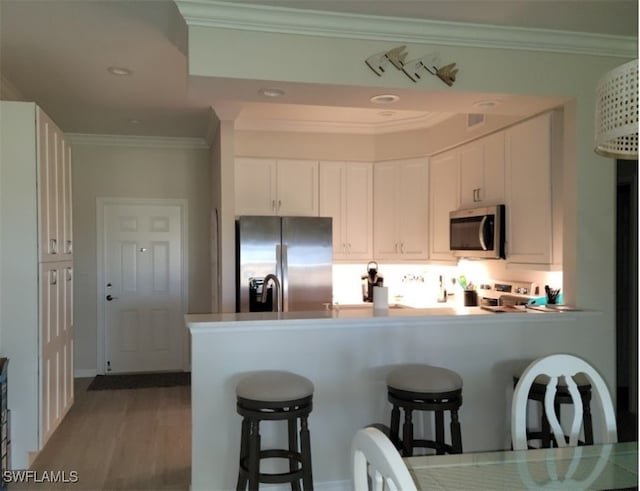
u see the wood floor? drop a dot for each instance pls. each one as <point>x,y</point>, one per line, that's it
<point>121,439</point>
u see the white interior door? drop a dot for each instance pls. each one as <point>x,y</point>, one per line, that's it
<point>143,290</point>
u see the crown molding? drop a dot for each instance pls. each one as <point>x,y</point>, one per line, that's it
<point>295,126</point>
<point>136,141</point>
<point>214,13</point>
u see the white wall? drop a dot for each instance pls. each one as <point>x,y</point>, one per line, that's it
<point>148,169</point>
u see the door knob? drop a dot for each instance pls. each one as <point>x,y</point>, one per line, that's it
<point>110,297</point>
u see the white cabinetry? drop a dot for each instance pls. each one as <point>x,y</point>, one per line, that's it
<point>400,209</point>
<point>346,195</point>
<point>443,198</point>
<point>37,265</point>
<point>533,221</point>
<point>482,172</point>
<point>276,187</point>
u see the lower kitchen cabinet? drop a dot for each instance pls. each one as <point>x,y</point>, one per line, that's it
<point>401,200</point>
<point>346,195</point>
<point>533,179</point>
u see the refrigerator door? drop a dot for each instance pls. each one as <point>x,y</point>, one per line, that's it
<point>258,243</point>
<point>307,257</point>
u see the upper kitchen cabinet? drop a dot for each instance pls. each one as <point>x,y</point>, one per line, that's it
<point>346,195</point>
<point>533,183</point>
<point>482,172</point>
<point>400,192</point>
<point>54,191</point>
<point>443,198</point>
<point>276,187</point>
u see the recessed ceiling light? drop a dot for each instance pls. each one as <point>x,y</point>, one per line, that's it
<point>486,104</point>
<point>386,113</point>
<point>119,71</point>
<point>134,121</point>
<point>271,92</point>
<point>384,99</point>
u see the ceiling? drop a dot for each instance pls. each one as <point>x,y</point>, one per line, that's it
<point>57,53</point>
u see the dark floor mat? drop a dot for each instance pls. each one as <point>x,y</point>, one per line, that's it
<point>140,381</point>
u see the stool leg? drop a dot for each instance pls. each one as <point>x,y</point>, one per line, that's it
<point>293,449</point>
<point>407,434</point>
<point>395,426</point>
<point>305,444</point>
<point>244,453</point>
<point>439,417</point>
<point>456,434</point>
<point>254,455</point>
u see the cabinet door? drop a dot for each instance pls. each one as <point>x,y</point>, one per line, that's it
<point>331,193</point>
<point>67,340</point>
<point>471,174</point>
<point>297,187</point>
<point>386,237</point>
<point>492,190</point>
<point>48,188</point>
<point>358,213</point>
<point>51,320</point>
<point>255,186</point>
<point>413,196</point>
<point>443,198</point>
<point>66,191</point>
<point>482,172</point>
<point>528,155</point>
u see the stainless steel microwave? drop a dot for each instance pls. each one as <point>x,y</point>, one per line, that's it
<point>477,233</point>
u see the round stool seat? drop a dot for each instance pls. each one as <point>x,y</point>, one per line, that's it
<point>424,379</point>
<point>274,386</point>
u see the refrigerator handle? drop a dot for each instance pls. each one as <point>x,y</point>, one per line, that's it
<point>284,280</point>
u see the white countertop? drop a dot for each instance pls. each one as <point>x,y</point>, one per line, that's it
<point>356,313</point>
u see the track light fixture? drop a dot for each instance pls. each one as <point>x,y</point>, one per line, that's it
<point>413,68</point>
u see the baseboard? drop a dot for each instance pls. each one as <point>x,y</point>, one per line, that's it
<point>85,372</point>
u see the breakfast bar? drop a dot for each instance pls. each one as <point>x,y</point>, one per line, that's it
<point>347,353</point>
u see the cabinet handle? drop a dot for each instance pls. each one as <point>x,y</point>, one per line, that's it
<point>273,204</point>
<point>54,277</point>
<point>479,198</point>
<point>279,204</point>
<point>344,248</point>
<point>349,246</point>
<point>69,274</point>
<point>69,247</point>
<point>395,247</point>
<point>53,246</point>
<point>401,247</point>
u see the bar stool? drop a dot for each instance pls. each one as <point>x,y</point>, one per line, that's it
<point>537,392</point>
<point>424,388</point>
<point>274,396</point>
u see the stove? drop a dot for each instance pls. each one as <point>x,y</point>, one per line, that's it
<point>498,292</point>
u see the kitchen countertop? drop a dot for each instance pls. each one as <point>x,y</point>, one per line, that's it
<point>358,313</point>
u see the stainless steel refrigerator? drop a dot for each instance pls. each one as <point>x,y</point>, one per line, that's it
<point>297,250</point>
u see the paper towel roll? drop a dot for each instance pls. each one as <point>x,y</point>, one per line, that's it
<point>380,297</point>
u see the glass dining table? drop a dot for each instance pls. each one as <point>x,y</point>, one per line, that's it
<point>597,467</point>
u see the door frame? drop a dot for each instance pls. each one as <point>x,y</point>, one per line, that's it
<point>101,204</point>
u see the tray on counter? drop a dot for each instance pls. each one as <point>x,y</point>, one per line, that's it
<point>502,309</point>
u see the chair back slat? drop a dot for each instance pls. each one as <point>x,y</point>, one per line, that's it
<point>555,366</point>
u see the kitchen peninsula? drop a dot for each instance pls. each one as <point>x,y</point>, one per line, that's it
<point>347,353</point>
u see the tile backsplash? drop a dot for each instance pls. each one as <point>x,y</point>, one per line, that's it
<point>419,284</point>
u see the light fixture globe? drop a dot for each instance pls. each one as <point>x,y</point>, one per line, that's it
<point>616,121</point>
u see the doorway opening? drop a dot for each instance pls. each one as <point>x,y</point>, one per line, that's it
<point>627,299</point>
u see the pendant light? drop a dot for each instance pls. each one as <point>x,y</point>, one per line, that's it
<point>616,122</point>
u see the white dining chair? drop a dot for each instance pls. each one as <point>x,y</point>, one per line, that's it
<point>553,367</point>
<point>376,463</point>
